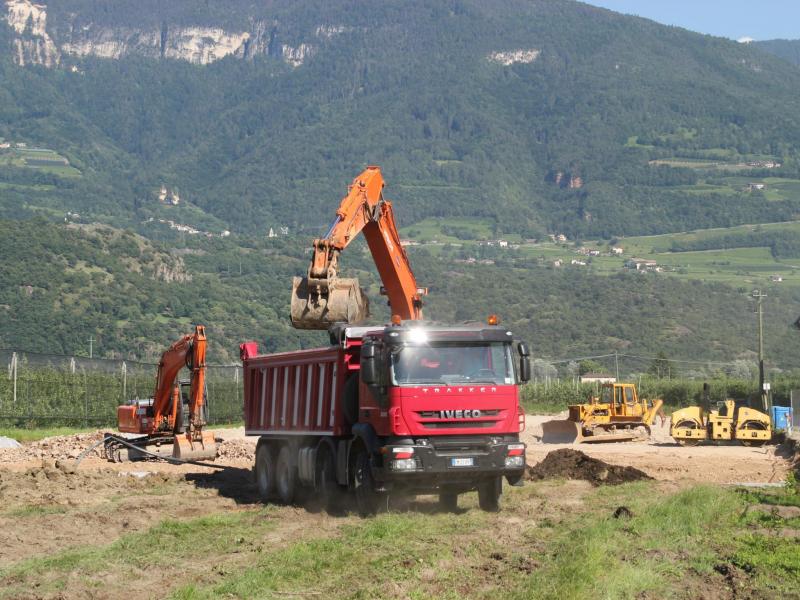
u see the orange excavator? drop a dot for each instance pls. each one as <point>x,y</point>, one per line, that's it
<point>171,423</point>
<point>322,298</point>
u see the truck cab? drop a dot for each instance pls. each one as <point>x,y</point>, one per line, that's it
<point>438,408</point>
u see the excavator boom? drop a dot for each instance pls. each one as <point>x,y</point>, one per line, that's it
<point>160,420</point>
<point>322,298</point>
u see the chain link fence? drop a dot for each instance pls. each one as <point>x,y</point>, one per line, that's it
<point>48,390</point>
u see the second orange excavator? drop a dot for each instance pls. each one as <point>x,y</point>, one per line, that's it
<point>171,423</point>
<point>322,298</point>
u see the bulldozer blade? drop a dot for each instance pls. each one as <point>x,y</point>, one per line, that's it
<point>345,302</point>
<point>202,449</point>
<point>561,431</point>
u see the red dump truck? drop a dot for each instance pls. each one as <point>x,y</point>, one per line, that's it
<point>410,407</point>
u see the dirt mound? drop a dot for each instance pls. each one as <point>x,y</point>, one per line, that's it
<point>573,464</point>
<point>61,447</point>
<point>49,483</point>
<point>237,450</point>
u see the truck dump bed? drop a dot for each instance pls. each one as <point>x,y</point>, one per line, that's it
<point>294,393</point>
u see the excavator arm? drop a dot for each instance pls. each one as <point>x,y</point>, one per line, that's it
<point>165,417</point>
<point>322,298</point>
<point>189,351</point>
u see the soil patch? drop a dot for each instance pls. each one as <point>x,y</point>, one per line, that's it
<point>574,464</point>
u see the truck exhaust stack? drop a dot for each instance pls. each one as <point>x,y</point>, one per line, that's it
<point>343,302</point>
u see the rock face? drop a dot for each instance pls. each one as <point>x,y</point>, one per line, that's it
<point>510,57</point>
<point>32,45</point>
<point>38,43</point>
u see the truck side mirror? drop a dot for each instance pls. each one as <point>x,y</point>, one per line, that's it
<point>369,367</point>
<point>524,369</point>
<point>524,362</point>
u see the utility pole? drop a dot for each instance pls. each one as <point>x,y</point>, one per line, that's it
<point>616,364</point>
<point>760,310</point>
<point>91,342</point>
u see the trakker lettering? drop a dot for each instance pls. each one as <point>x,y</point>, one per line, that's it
<point>459,390</point>
<point>460,414</point>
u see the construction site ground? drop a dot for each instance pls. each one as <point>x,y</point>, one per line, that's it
<point>154,530</point>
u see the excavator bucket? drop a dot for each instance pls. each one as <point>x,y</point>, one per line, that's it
<point>561,431</point>
<point>203,449</point>
<point>345,302</point>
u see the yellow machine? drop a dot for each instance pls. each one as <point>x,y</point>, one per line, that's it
<point>617,415</point>
<point>692,425</point>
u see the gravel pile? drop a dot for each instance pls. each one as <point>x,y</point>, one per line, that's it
<point>61,447</point>
<point>236,450</point>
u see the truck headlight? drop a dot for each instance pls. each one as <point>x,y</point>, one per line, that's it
<point>515,462</point>
<point>404,464</point>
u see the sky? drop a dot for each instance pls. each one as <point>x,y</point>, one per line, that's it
<point>735,19</point>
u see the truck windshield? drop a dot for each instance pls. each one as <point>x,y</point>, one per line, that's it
<point>450,364</point>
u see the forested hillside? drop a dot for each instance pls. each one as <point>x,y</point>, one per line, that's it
<point>173,136</point>
<point>786,49</point>
<point>540,116</point>
<point>64,283</point>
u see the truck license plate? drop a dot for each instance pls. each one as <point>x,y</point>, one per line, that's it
<point>462,462</point>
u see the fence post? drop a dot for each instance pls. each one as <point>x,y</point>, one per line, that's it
<point>124,381</point>
<point>86,405</point>
<point>14,374</point>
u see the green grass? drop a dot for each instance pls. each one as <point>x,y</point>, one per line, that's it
<point>31,188</point>
<point>165,543</point>
<point>33,435</point>
<point>36,510</point>
<point>552,540</point>
<point>19,157</point>
<point>366,560</point>
<point>430,229</point>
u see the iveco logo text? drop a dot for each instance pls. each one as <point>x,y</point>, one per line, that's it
<point>460,414</point>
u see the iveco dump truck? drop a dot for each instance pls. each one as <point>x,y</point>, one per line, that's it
<point>409,407</point>
<point>412,406</point>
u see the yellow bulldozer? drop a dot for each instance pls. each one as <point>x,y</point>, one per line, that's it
<point>730,421</point>
<point>616,415</point>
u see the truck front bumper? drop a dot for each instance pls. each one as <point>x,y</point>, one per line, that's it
<point>434,464</point>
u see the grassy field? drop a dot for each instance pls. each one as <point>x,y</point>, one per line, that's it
<point>430,229</point>
<point>553,539</point>
<point>40,159</point>
<point>33,435</point>
<point>736,266</point>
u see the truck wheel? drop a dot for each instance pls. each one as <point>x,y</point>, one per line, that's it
<point>326,494</point>
<point>489,494</point>
<point>368,501</point>
<point>265,472</point>
<point>448,501</point>
<point>285,476</point>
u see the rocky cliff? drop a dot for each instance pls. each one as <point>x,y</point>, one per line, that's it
<point>39,42</point>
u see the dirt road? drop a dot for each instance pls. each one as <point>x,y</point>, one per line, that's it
<point>663,459</point>
<point>47,510</point>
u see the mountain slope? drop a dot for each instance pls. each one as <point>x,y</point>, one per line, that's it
<point>788,50</point>
<point>539,116</point>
